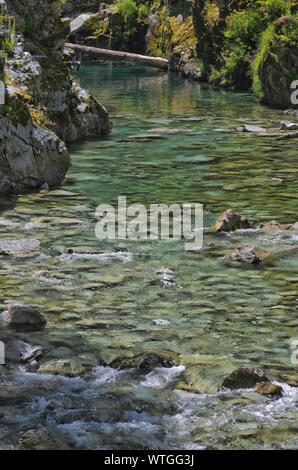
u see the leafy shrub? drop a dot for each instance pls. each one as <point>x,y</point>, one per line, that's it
<point>274,9</point>
<point>245,25</point>
<point>143,13</point>
<point>265,43</point>
<point>128,10</point>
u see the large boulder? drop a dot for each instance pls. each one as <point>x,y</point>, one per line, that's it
<point>244,378</point>
<point>229,221</point>
<point>30,155</point>
<point>45,106</point>
<point>251,254</point>
<point>40,439</point>
<point>21,317</point>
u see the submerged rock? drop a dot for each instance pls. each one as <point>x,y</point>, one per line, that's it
<point>40,439</point>
<point>23,318</point>
<point>274,225</point>
<point>269,389</point>
<point>19,248</point>
<point>229,221</point>
<point>244,378</point>
<point>251,254</point>
<point>148,361</point>
<point>66,367</point>
<point>250,128</point>
<point>19,352</point>
<point>80,250</point>
<point>152,360</point>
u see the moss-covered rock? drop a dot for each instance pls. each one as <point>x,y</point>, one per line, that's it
<point>270,389</point>
<point>245,44</point>
<point>276,64</point>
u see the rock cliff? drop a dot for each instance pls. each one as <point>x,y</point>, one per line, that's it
<point>44,107</point>
<point>249,45</point>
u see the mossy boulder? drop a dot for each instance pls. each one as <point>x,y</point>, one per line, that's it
<point>244,45</point>
<point>277,63</point>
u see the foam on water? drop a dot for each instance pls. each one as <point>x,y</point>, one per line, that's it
<point>161,377</point>
<point>126,257</point>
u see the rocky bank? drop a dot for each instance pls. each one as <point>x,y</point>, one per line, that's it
<point>44,107</point>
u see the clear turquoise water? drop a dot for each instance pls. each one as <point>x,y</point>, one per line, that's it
<point>103,308</point>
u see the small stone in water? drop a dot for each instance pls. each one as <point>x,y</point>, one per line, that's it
<point>277,181</point>
<point>270,389</point>
<point>250,128</point>
<point>229,221</point>
<point>161,322</point>
<point>250,254</point>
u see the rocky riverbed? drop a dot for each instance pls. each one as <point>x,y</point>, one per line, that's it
<point>141,344</point>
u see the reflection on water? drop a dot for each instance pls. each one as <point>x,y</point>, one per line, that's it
<point>105,307</point>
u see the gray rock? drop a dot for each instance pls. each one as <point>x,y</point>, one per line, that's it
<point>19,352</point>
<point>288,126</point>
<point>251,128</point>
<point>250,254</point>
<point>30,151</point>
<point>78,22</point>
<point>21,317</point>
<point>152,360</point>
<point>277,181</point>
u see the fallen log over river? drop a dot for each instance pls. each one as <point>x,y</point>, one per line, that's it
<point>121,56</point>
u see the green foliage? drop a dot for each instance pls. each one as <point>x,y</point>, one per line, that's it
<point>266,40</point>
<point>143,12</point>
<point>128,10</point>
<point>274,9</point>
<point>245,26</point>
<point>28,24</point>
<point>289,32</point>
<point>8,42</point>
<point>2,16</point>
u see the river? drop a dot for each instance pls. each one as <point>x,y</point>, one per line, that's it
<point>173,142</point>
